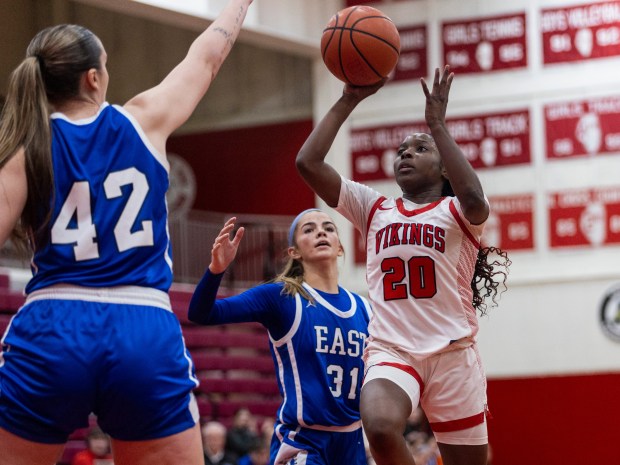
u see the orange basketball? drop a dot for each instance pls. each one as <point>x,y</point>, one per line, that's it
<point>360,45</point>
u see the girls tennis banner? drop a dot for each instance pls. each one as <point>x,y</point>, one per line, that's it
<point>581,32</point>
<point>413,60</point>
<point>485,44</point>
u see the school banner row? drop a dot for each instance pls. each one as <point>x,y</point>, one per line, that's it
<point>493,43</point>
<point>576,218</point>
<point>576,129</point>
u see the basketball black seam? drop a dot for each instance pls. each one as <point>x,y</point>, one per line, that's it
<point>350,29</point>
<point>344,73</point>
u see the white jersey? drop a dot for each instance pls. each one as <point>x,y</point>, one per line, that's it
<point>419,267</point>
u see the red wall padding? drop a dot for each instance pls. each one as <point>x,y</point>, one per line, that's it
<point>555,420</point>
<point>248,170</point>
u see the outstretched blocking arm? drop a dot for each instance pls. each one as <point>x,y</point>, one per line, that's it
<point>463,178</point>
<point>322,178</point>
<point>163,108</point>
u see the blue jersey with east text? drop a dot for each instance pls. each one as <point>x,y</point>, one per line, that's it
<point>322,355</point>
<point>108,225</point>
<point>317,346</point>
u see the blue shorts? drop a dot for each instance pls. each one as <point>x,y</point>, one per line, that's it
<point>126,363</point>
<point>307,446</point>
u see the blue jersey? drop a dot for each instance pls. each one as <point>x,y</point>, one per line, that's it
<point>317,347</point>
<point>319,360</point>
<point>108,225</point>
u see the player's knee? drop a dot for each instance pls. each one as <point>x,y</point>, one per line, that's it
<point>380,428</point>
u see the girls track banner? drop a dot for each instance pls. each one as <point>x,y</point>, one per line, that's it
<point>488,140</point>
<point>583,128</point>
<point>584,217</point>
<point>580,32</point>
<point>485,44</point>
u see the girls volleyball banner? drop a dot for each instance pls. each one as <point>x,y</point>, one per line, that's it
<point>511,223</point>
<point>581,32</point>
<point>488,141</point>
<point>485,44</point>
<point>585,217</point>
<point>583,128</point>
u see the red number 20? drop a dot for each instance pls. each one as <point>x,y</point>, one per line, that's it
<point>421,271</point>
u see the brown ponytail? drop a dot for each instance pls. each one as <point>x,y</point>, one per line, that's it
<point>56,59</point>
<point>25,124</point>
<point>293,277</point>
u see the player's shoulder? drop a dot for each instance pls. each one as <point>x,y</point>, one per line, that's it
<point>271,290</point>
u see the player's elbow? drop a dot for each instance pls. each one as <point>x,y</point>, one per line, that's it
<point>303,164</point>
<point>475,208</point>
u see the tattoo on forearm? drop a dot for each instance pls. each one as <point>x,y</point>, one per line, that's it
<point>224,32</point>
<point>239,17</point>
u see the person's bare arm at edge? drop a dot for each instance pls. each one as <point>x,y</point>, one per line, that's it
<point>163,108</point>
<point>322,178</point>
<point>13,193</point>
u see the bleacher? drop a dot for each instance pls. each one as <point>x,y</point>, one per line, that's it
<point>233,363</point>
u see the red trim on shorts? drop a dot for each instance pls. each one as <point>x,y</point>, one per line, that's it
<point>456,425</point>
<point>461,223</point>
<point>406,369</point>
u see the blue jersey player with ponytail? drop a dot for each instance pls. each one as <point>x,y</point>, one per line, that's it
<point>83,184</point>
<point>317,332</point>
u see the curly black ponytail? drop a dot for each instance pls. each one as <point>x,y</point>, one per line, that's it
<point>485,282</point>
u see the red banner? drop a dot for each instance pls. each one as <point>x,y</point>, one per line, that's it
<point>582,128</point>
<point>584,217</point>
<point>413,60</point>
<point>581,32</point>
<point>510,225</point>
<point>487,141</point>
<point>485,44</point>
<point>373,149</point>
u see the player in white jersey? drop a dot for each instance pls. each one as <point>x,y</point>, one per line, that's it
<point>425,270</point>
<point>85,183</point>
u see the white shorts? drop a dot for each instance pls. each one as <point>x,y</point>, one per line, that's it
<point>449,386</point>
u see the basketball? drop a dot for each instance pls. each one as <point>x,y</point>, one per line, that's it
<point>360,45</point>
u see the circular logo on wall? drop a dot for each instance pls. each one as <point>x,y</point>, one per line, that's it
<point>182,190</point>
<point>610,314</point>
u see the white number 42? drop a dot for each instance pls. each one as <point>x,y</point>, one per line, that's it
<point>77,205</point>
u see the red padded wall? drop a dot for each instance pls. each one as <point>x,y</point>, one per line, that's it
<point>555,420</point>
<point>247,170</point>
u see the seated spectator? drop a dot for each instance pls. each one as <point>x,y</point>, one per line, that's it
<point>97,450</point>
<point>213,442</point>
<point>258,454</point>
<point>266,428</point>
<point>242,434</point>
